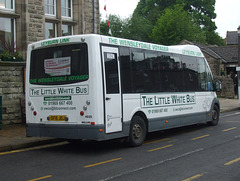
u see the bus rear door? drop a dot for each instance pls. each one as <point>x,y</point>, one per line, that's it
<point>112,90</point>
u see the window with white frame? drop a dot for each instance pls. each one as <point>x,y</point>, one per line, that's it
<point>67,30</point>
<point>50,30</point>
<point>50,7</point>
<point>7,4</point>
<point>67,8</point>
<point>6,33</point>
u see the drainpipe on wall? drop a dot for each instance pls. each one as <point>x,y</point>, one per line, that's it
<point>93,16</point>
<point>83,18</point>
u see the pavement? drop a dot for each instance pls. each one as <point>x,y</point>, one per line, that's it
<point>13,137</point>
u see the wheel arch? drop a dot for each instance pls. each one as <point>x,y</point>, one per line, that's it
<point>215,102</point>
<point>143,115</point>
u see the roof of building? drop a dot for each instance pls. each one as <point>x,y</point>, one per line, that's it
<point>228,53</point>
<point>232,38</point>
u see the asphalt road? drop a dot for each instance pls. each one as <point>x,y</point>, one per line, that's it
<point>196,152</point>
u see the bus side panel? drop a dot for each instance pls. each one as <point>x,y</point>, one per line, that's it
<point>169,110</point>
<point>176,121</point>
<point>131,105</point>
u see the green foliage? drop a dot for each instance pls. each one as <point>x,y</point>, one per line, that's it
<point>131,28</point>
<point>167,22</point>
<point>10,53</point>
<point>8,56</point>
<point>139,29</point>
<point>116,24</point>
<point>202,11</point>
<point>174,25</point>
<point>214,39</point>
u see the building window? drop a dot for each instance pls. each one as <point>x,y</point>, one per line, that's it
<point>7,4</point>
<point>6,33</point>
<point>50,7</point>
<point>50,30</point>
<point>67,30</point>
<point>67,8</point>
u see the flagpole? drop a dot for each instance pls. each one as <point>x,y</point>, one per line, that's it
<point>108,22</point>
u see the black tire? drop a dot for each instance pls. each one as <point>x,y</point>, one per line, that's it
<point>215,116</point>
<point>137,133</point>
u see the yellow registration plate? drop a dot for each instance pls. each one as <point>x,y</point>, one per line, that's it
<point>57,118</point>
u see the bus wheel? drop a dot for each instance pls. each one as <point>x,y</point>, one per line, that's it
<point>137,131</point>
<point>215,116</point>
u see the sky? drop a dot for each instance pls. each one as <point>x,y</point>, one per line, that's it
<point>228,12</point>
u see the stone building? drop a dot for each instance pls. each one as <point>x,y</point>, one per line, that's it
<point>25,21</point>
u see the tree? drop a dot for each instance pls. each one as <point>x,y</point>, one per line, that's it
<point>174,25</point>
<point>151,9</point>
<point>214,39</point>
<point>138,28</point>
<point>116,26</point>
<point>130,28</point>
<point>201,11</point>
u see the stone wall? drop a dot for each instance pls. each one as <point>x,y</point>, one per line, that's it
<point>227,87</point>
<point>35,21</point>
<point>214,64</point>
<point>11,90</point>
<point>88,16</point>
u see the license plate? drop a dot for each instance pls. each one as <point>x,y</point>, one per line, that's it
<point>57,118</point>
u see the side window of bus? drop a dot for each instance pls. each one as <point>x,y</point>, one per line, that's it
<point>125,66</point>
<point>169,68</point>
<point>111,73</point>
<point>190,73</point>
<point>205,76</point>
<point>139,69</point>
<point>151,78</point>
<point>175,74</point>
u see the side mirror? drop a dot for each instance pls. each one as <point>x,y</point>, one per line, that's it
<point>218,85</point>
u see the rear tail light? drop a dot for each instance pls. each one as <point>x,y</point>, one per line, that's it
<point>81,113</point>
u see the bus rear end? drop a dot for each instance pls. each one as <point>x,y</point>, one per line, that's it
<point>58,100</point>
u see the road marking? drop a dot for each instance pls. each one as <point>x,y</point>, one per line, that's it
<point>41,178</point>
<point>229,129</point>
<point>200,137</point>
<point>33,148</point>
<point>155,141</point>
<point>129,171</point>
<point>193,177</point>
<point>231,162</point>
<point>167,146</point>
<point>230,115</point>
<point>100,163</point>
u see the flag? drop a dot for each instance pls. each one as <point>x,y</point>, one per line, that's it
<point>108,23</point>
<point>110,31</point>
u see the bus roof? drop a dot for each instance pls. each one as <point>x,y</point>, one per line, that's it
<point>179,49</point>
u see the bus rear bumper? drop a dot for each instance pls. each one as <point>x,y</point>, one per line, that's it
<point>90,132</point>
